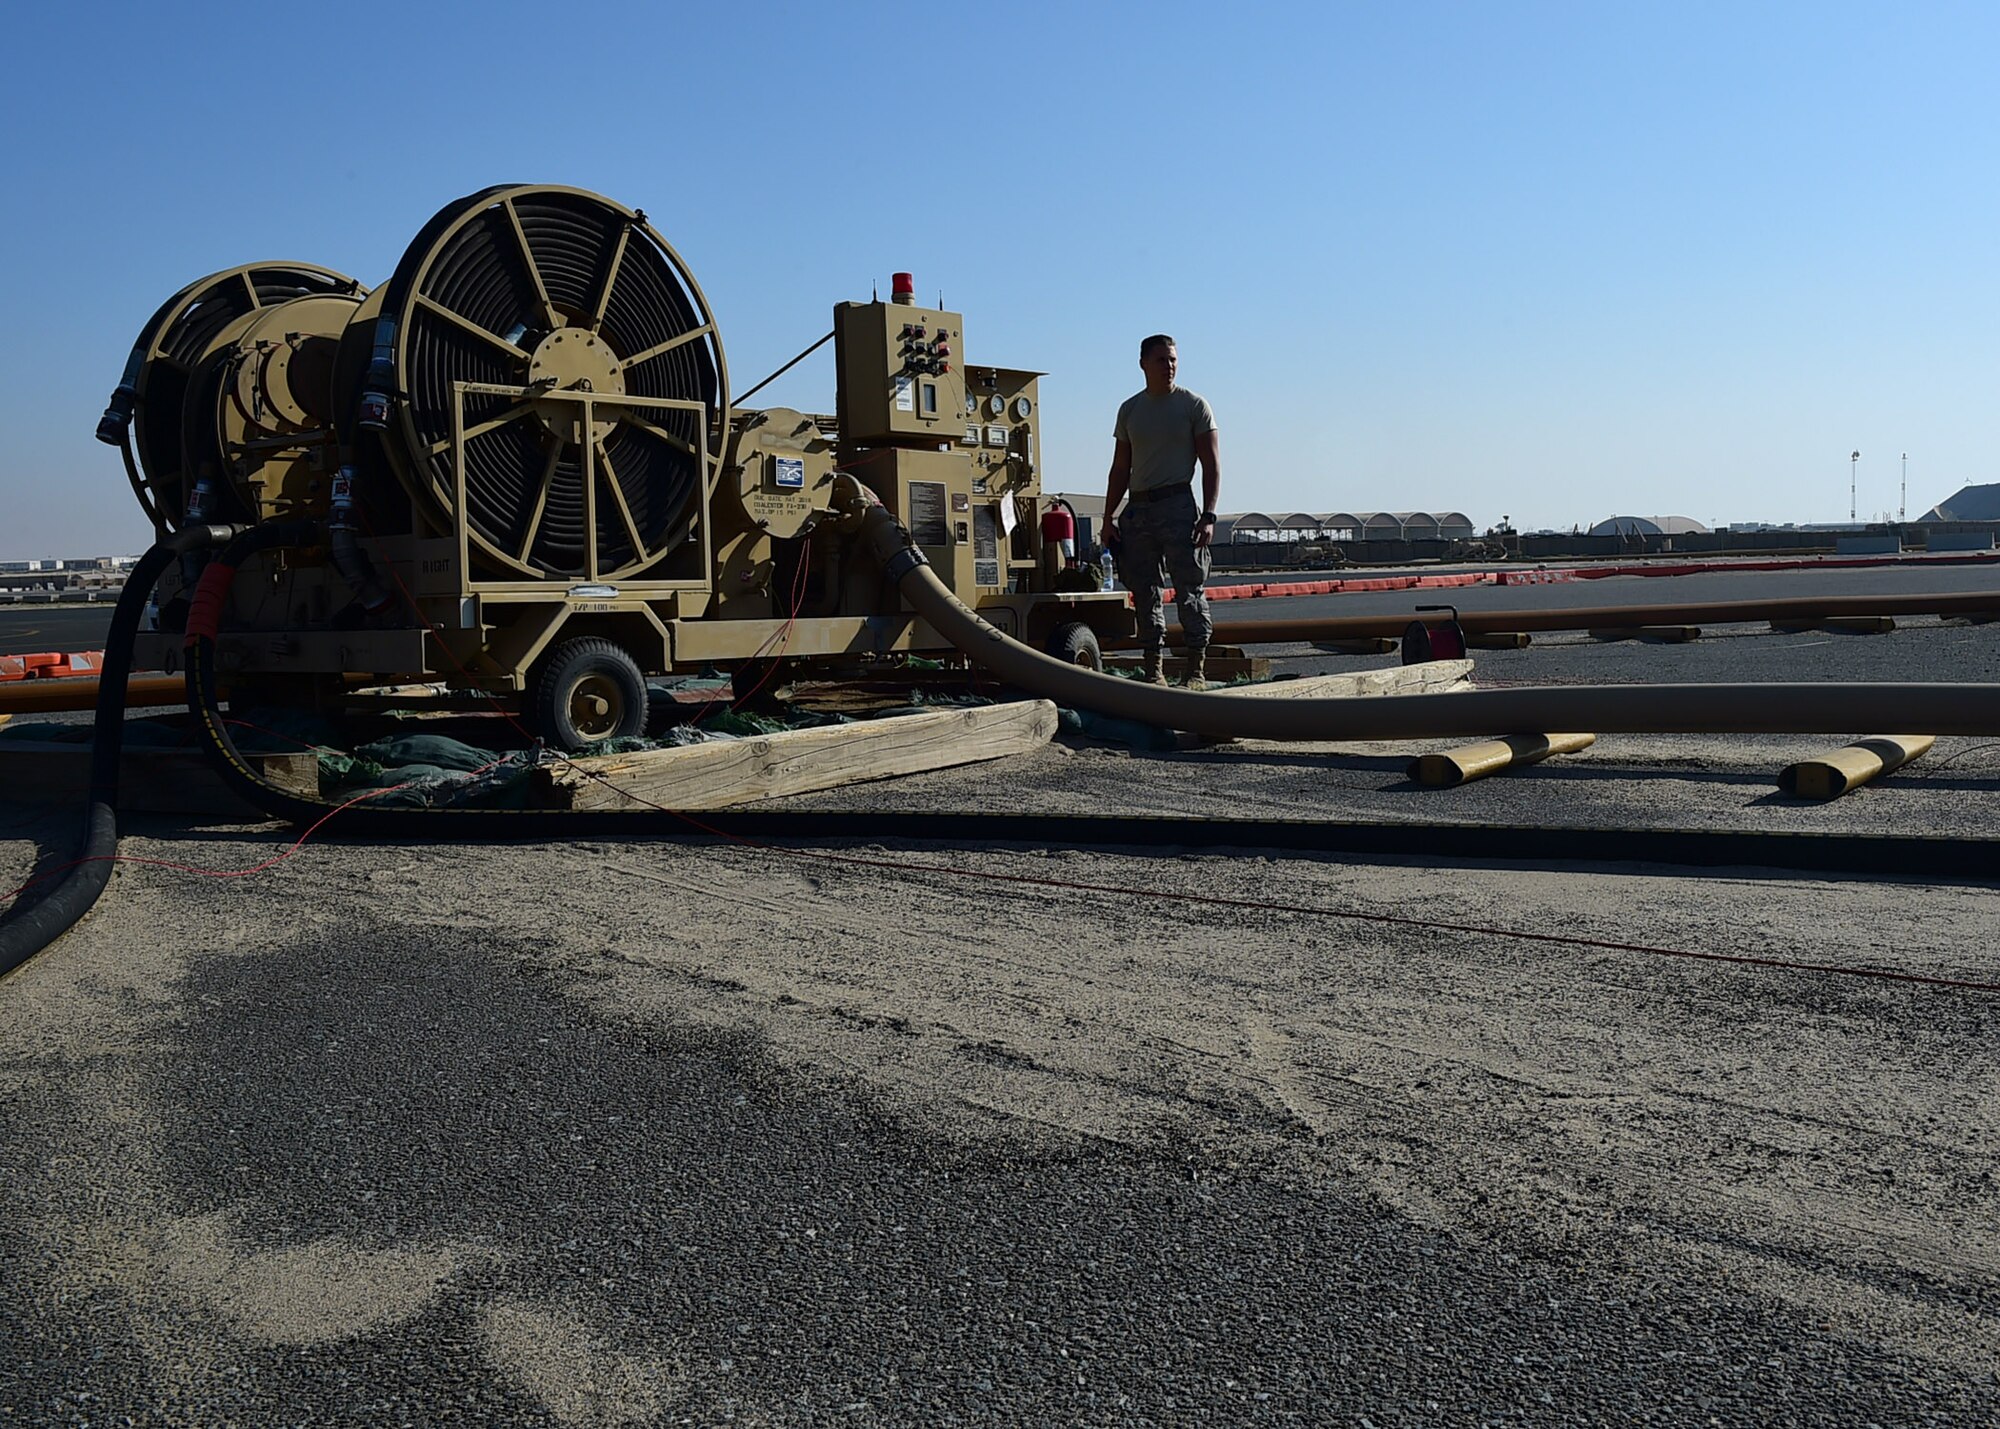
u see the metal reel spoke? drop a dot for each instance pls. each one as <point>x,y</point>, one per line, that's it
<point>467,325</point>
<point>480,429</point>
<point>607,476</point>
<point>610,280</point>
<point>668,346</point>
<point>548,309</point>
<point>541,502</point>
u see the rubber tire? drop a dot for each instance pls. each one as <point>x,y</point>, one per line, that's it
<point>556,677</point>
<point>1075,643</point>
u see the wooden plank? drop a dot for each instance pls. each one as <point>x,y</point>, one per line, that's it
<point>800,761</point>
<point>150,780</point>
<point>1429,677</point>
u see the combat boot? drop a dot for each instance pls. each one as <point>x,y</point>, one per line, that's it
<point>1153,672</point>
<point>1197,667</point>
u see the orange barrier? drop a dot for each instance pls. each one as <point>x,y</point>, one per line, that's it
<point>1257,590</point>
<point>50,665</point>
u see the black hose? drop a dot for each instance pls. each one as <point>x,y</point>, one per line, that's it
<point>38,926</point>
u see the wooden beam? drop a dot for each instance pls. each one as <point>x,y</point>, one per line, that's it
<point>1427,678</point>
<point>723,773</point>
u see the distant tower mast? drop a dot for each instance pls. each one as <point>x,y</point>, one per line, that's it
<point>1903,501</point>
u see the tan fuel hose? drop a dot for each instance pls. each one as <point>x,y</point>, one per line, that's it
<point>1604,709</point>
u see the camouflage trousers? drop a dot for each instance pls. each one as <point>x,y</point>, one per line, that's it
<point>1158,549</point>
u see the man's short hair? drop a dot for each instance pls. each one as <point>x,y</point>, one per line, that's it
<point>1158,339</point>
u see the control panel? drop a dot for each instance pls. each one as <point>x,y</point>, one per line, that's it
<point>899,372</point>
<point>1001,430</point>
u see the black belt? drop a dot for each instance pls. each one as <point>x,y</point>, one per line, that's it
<point>1159,493</point>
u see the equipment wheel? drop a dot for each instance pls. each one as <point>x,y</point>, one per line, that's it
<point>586,691</point>
<point>1075,643</point>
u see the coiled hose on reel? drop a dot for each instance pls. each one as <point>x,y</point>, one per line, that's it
<point>540,289</point>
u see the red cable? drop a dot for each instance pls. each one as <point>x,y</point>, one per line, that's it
<point>205,872</point>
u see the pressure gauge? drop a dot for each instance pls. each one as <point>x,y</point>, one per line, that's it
<point>996,404</point>
<point>971,405</point>
<point>1022,406</point>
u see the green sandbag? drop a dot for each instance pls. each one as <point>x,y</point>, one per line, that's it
<point>399,751</point>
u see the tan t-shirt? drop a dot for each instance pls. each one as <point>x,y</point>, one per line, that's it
<point>1162,432</point>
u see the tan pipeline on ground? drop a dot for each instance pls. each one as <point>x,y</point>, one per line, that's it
<point>1605,709</point>
<point>1605,617</point>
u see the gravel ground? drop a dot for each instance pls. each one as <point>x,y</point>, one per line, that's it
<point>622,1132</point>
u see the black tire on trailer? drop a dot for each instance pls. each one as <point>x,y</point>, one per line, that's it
<point>1075,643</point>
<point>584,692</point>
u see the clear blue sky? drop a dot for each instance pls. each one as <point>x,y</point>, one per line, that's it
<point>1557,261</point>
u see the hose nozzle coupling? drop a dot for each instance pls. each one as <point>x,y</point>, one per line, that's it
<point>117,418</point>
<point>850,502</point>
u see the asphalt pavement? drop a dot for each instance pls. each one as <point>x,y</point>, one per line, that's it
<point>375,1137</point>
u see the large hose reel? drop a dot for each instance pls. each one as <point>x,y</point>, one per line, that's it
<point>227,395</point>
<point>545,293</point>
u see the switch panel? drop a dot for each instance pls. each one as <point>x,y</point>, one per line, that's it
<point>899,372</point>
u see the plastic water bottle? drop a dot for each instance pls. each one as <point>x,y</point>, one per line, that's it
<point>1110,571</point>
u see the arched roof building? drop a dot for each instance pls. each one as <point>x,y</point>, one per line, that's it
<point>1648,526</point>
